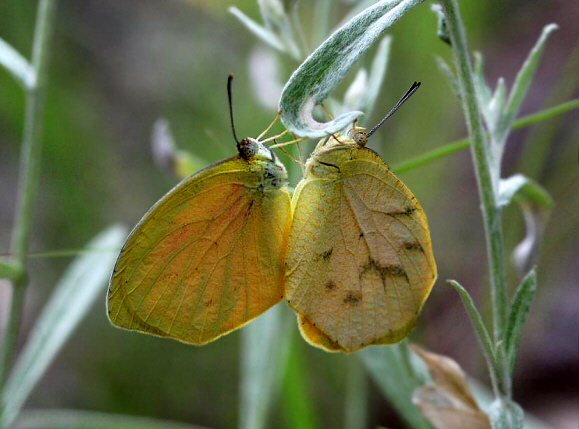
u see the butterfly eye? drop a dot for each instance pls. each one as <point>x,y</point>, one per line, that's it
<point>358,134</point>
<point>246,149</point>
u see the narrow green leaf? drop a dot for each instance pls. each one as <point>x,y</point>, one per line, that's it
<point>84,281</point>
<point>496,106</point>
<point>272,12</point>
<point>323,70</point>
<point>357,392</point>
<point>506,415</point>
<point>17,65</point>
<point>457,146</point>
<point>482,88</point>
<point>385,365</point>
<point>299,399</point>
<point>278,22</point>
<point>432,155</point>
<point>523,79</point>
<point>518,315</point>
<point>441,28</point>
<point>525,188</point>
<point>258,30</point>
<point>480,329</point>
<point>74,419</point>
<point>265,347</point>
<point>545,114</point>
<point>449,74</point>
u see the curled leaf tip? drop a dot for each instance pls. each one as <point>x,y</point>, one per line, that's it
<point>323,70</point>
<point>309,127</point>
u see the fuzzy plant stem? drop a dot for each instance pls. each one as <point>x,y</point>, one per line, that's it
<point>487,189</point>
<point>28,179</point>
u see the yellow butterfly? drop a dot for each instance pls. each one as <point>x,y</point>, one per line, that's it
<point>359,262</point>
<point>209,256</point>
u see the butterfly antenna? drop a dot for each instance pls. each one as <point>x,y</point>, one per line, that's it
<point>405,97</point>
<point>229,79</point>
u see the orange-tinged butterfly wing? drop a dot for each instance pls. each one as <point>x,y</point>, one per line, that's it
<point>206,259</point>
<point>359,263</point>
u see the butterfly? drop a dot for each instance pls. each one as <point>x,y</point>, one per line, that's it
<point>359,261</point>
<point>208,257</point>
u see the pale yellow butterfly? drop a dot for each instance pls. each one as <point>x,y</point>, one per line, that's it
<point>209,256</point>
<point>359,262</point>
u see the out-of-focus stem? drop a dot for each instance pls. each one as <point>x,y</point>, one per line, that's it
<point>28,179</point>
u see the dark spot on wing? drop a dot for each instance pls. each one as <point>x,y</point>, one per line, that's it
<point>413,245</point>
<point>392,270</point>
<point>405,212</point>
<point>353,298</point>
<point>371,265</point>
<point>248,212</point>
<point>325,255</point>
<point>329,165</point>
<point>330,286</point>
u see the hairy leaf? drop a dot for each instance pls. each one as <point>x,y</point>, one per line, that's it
<point>321,72</point>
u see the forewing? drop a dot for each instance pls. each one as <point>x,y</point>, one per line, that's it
<point>206,259</point>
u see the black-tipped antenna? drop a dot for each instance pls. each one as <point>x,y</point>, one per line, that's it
<point>229,79</point>
<point>405,97</point>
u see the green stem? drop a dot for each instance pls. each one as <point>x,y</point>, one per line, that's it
<point>487,189</point>
<point>432,155</point>
<point>28,179</point>
<point>546,114</point>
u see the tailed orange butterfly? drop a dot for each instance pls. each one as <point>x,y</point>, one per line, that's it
<point>359,262</point>
<point>209,256</point>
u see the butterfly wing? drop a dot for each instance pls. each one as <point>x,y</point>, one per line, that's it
<point>359,262</point>
<point>206,259</point>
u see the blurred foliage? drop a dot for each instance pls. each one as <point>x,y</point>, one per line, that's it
<point>118,65</point>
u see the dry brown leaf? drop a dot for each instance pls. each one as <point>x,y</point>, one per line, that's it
<point>449,402</point>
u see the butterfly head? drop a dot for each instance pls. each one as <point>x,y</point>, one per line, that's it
<point>250,148</point>
<point>263,162</point>
<point>358,135</point>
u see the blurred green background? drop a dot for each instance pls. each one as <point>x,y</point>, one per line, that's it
<point>118,65</point>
